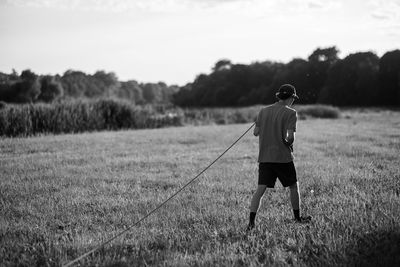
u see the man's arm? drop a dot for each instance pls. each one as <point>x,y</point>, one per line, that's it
<point>289,140</point>
<point>291,129</point>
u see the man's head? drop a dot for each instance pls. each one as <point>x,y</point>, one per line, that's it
<point>287,93</point>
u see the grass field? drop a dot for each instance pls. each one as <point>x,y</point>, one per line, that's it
<point>61,196</point>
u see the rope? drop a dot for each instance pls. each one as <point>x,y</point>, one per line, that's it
<point>158,207</point>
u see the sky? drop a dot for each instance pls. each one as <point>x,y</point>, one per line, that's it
<point>175,40</point>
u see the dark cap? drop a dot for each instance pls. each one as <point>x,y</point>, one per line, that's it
<point>286,91</point>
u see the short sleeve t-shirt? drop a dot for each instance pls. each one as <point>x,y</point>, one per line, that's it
<point>273,122</point>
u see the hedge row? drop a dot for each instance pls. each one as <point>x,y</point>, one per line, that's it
<point>108,114</point>
<point>79,116</point>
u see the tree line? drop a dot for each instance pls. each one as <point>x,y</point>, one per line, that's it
<point>359,79</point>
<point>28,87</point>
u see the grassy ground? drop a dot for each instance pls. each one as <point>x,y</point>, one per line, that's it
<point>61,196</point>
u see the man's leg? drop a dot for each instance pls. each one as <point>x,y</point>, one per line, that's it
<point>295,200</point>
<point>255,204</point>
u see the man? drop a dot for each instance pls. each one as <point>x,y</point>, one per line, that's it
<point>276,127</point>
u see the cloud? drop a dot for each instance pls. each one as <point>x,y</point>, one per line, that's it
<point>312,4</point>
<point>120,5</point>
<point>385,9</point>
<point>173,5</point>
<point>305,5</point>
<point>380,16</point>
<point>324,5</point>
<point>113,5</point>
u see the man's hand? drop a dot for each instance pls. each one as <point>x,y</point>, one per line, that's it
<point>256,131</point>
<point>290,145</point>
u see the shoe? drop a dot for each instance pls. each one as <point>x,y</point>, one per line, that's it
<point>305,219</point>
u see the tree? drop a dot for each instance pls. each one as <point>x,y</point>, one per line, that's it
<point>27,89</point>
<point>328,55</point>
<point>5,87</point>
<point>389,78</point>
<point>131,91</point>
<point>262,76</point>
<point>320,61</point>
<point>183,97</point>
<point>222,65</point>
<point>107,83</point>
<point>280,77</point>
<point>50,88</point>
<point>74,83</point>
<point>234,86</point>
<point>296,73</point>
<point>79,84</point>
<point>352,81</point>
<point>168,92</point>
<point>152,92</point>
<point>4,77</point>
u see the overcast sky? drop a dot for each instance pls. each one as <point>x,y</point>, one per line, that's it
<point>175,40</point>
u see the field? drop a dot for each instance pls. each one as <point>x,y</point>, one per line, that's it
<point>61,196</point>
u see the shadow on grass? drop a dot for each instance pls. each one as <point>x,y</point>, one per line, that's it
<point>378,248</point>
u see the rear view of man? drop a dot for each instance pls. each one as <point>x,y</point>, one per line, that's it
<point>276,127</point>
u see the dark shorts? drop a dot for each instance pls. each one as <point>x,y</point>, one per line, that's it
<point>269,171</point>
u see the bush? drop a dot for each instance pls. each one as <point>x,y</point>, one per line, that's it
<point>249,114</point>
<point>3,105</point>
<point>318,111</point>
<point>221,115</point>
<point>4,124</point>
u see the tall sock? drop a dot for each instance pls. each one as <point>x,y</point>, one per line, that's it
<point>252,218</point>
<point>296,214</point>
